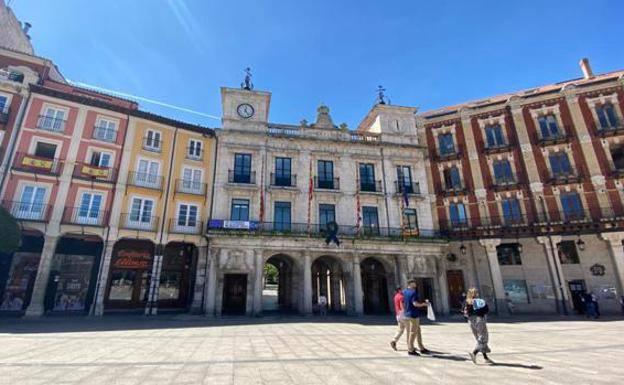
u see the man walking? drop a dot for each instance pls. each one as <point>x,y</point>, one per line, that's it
<point>412,307</point>
<point>400,317</point>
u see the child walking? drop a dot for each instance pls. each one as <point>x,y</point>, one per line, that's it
<point>475,310</point>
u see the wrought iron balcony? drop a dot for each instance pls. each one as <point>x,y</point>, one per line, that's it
<point>85,216</point>
<point>185,226</point>
<point>565,177</point>
<point>326,184</point>
<point>369,186</point>
<point>241,178</point>
<point>454,153</point>
<point>28,211</point>
<point>5,111</point>
<point>139,221</point>
<point>454,189</point>
<point>283,180</point>
<point>151,144</point>
<point>37,164</point>
<point>505,183</point>
<point>560,137</point>
<point>617,129</point>
<point>51,124</point>
<point>104,134</point>
<point>497,147</point>
<point>412,188</point>
<point>143,179</point>
<point>187,186</point>
<point>86,171</point>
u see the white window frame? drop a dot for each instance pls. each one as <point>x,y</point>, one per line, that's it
<point>196,142</point>
<point>186,228</point>
<point>37,139</point>
<point>146,183</point>
<point>93,150</point>
<point>154,133</point>
<point>17,211</point>
<point>188,186</point>
<point>98,128</point>
<point>139,224</point>
<point>89,220</point>
<point>52,107</point>
<point>9,100</point>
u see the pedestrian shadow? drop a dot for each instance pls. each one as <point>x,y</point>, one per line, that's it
<point>519,366</point>
<point>449,357</point>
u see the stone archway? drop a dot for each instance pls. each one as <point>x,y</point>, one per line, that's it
<point>278,284</point>
<point>374,286</point>
<point>328,280</point>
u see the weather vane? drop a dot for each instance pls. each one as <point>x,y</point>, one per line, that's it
<point>381,98</point>
<point>247,84</point>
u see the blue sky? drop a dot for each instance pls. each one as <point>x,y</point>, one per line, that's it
<point>426,53</point>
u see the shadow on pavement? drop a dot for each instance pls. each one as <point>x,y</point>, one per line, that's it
<point>519,366</point>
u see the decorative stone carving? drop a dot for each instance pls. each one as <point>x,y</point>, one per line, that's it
<point>526,147</point>
<point>235,260</point>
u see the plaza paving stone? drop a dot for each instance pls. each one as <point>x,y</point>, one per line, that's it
<point>183,349</point>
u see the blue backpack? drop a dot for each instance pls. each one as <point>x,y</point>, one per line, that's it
<point>478,303</point>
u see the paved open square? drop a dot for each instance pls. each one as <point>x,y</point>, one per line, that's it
<point>192,350</point>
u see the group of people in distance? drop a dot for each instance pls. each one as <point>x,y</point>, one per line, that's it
<point>408,309</point>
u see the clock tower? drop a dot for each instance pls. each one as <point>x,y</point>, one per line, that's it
<point>244,108</point>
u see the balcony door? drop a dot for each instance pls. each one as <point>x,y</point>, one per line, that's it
<point>242,168</point>
<point>147,173</point>
<point>325,170</point>
<point>404,178</point>
<point>367,177</point>
<point>141,213</point>
<point>31,204</point>
<point>191,179</point>
<point>89,210</point>
<point>282,171</point>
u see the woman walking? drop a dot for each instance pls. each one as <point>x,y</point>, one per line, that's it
<point>475,310</point>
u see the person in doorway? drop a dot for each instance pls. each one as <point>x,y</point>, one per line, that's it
<point>322,303</point>
<point>476,310</point>
<point>400,316</point>
<point>510,305</point>
<point>412,310</point>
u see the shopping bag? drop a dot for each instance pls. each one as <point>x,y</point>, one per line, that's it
<point>430,313</point>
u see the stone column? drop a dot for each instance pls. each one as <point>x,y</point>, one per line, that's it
<point>497,277</point>
<point>335,292</point>
<point>36,307</point>
<point>556,272</point>
<point>152,298</point>
<point>102,283</point>
<point>307,284</point>
<point>358,296</point>
<point>200,280</point>
<point>614,240</point>
<point>443,306</point>
<point>257,294</point>
<point>210,289</point>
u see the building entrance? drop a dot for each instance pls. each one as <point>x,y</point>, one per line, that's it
<point>234,294</point>
<point>375,287</point>
<point>456,288</point>
<point>577,291</point>
<point>131,267</point>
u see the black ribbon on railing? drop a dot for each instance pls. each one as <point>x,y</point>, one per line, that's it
<point>332,233</point>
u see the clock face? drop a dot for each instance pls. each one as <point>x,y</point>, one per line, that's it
<point>245,110</point>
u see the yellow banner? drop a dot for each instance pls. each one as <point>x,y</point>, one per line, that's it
<point>38,163</point>
<point>96,172</point>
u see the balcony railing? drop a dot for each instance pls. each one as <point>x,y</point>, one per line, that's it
<point>85,216</point>
<point>373,186</point>
<point>28,211</point>
<point>366,138</point>
<point>504,183</point>
<point>497,147</point>
<point>454,153</point>
<point>138,221</point>
<point>185,226</point>
<point>151,144</point>
<point>610,130</point>
<point>104,134</point>
<point>317,230</point>
<point>402,187</point>
<point>565,177</point>
<point>37,164</point>
<point>187,186</point>
<point>83,170</point>
<point>327,184</point>
<point>283,180</point>
<point>143,179</point>
<point>5,111</point>
<point>283,131</point>
<point>193,153</point>
<point>454,189</point>
<point>560,137</point>
<point>51,124</point>
<point>241,178</point>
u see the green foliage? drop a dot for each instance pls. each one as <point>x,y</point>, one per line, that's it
<point>271,273</point>
<point>10,235</point>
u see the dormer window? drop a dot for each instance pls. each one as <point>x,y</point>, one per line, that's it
<point>446,144</point>
<point>606,116</point>
<point>549,127</point>
<point>494,136</point>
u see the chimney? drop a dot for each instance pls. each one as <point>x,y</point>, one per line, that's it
<point>586,68</point>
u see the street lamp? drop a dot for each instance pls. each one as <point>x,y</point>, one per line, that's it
<point>462,249</point>
<point>580,244</point>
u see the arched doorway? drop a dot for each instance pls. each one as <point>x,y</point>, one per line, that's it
<point>374,287</point>
<point>176,276</point>
<point>18,272</point>
<point>278,284</point>
<point>73,274</point>
<point>328,280</point>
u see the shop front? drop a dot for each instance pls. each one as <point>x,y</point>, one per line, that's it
<point>130,273</point>
<point>18,272</point>
<point>176,278</point>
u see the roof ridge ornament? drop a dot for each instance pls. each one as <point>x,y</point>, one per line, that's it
<point>247,84</point>
<point>381,97</point>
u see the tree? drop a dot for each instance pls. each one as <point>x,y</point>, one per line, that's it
<point>271,273</point>
<point>10,235</point>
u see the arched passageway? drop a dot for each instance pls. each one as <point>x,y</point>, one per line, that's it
<point>278,284</point>
<point>328,281</point>
<point>18,271</point>
<point>374,287</point>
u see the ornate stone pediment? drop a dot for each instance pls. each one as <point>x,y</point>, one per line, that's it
<point>420,265</point>
<point>235,260</point>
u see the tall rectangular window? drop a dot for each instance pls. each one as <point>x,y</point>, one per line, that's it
<point>152,140</point>
<point>191,179</point>
<point>404,179</point>
<point>53,119</point>
<point>3,103</point>
<point>45,150</point>
<point>31,204</point>
<point>560,164</point>
<point>502,171</point>
<point>457,214</point>
<point>325,174</point>
<point>549,128</point>
<point>617,155</point>
<point>446,144</point>
<point>410,219</point>
<point>141,211</point>
<point>100,159</point>
<point>89,210</point>
<point>567,252</point>
<point>194,150</point>
<point>327,214</point>
<point>187,215</point>
<point>607,116</point>
<point>282,172</point>
<point>370,220</point>
<point>240,210</point>
<point>508,254</point>
<point>452,178</point>
<point>511,211</point>
<point>242,168</point>
<point>367,177</point>
<point>147,173</point>
<point>494,136</point>
<point>281,216</point>
<point>572,206</point>
<point>105,130</point>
